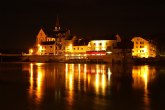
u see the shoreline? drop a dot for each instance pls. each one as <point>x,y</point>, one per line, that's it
<point>61,59</point>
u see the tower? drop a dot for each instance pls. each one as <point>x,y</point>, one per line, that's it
<point>57,26</point>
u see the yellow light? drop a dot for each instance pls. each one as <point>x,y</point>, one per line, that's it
<point>30,51</point>
<point>109,52</point>
<point>70,47</point>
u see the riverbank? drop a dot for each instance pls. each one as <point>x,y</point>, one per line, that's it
<point>62,59</point>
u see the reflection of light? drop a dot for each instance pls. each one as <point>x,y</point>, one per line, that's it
<point>31,79</point>
<point>36,90</point>
<point>103,83</point>
<point>66,68</point>
<point>142,75</point>
<point>100,79</point>
<point>109,74</point>
<point>85,71</point>
<point>39,81</point>
<point>70,81</point>
<point>79,77</point>
<point>39,64</point>
<point>97,83</point>
<point>69,75</point>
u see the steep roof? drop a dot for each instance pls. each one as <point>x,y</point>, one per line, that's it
<point>53,33</point>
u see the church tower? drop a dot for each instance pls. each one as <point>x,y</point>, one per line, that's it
<point>57,26</point>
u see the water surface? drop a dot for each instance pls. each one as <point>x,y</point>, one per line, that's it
<point>62,86</point>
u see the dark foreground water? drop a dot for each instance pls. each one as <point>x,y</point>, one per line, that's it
<point>60,86</point>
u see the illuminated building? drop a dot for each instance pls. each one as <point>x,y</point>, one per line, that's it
<point>51,43</point>
<point>76,49</point>
<point>61,45</point>
<point>104,43</point>
<point>143,48</point>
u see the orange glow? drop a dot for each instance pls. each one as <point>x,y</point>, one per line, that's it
<point>69,77</point>
<point>78,75</point>
<point>31,80</point>
<point>39,49</point>
<point>30,51</point>
<point>143,48</point>
<point>37,90</point>
<point>141,76</point>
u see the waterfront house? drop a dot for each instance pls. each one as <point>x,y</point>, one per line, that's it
<point>60,44</point>
<point>143,48</point>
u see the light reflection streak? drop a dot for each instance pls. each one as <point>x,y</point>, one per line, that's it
<point>85,72</point>
<point>31,79</point>
<point>109,75</point>
<point>69,75</point>
<point>100,79</point>
<point>97,83</point>
<point>37,90</point>
<point>142,75</point>
<point>85,76</point>
<point>79,77</point>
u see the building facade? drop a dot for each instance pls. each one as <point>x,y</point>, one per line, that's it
<point>60,43</point>
<point>143,48</point>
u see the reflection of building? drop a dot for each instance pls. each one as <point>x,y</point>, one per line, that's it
<point>143,48</point>
<point>142,76</point>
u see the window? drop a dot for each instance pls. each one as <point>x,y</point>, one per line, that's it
<point>50,46</point>
<point>141,42</point>
<point>81,48</point>
<point>94,44</point>
<point>78,48</point>
<point>73,48</point>
<point>136,42</point>
<point>100,43</point>
<point>141,46</point>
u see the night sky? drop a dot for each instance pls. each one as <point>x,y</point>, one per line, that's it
<point>21,21</point>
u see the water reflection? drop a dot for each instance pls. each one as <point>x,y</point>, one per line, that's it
<point>142,75</point>
<point>36,81</point>
<point>67,81</point>
<point>81,76</point>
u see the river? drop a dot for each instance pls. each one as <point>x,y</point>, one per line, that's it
<point>62,86</point>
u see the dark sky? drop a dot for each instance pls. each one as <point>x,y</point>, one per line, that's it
<point>21,21</point>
